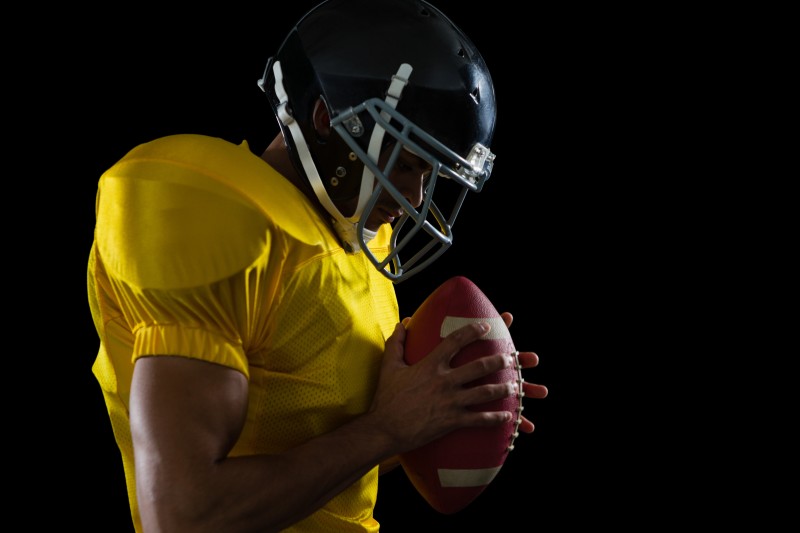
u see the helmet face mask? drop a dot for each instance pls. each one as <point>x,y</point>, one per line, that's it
<point>462,174</point>
<point>394,75</point>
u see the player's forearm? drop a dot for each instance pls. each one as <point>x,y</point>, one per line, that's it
<point>271,492</point>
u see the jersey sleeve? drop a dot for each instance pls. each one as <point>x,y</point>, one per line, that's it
<point>176,244</point>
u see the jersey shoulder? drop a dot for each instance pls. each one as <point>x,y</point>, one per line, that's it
<point>180,212</point>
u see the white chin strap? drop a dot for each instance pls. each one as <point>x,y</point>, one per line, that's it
<point>399,81</point>
<point>345,227</point>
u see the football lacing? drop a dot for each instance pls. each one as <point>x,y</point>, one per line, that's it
<point>520,408</point>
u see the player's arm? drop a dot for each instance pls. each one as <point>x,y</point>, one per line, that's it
<point>186,416</point>
<point>389,464</point>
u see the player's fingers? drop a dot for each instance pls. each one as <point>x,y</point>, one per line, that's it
<point>395,343</point>
<point>481,367</point>
<point>451,344</point>
<point>528,359</point>
<point>533,390</point>
<point>525,425</point>
<point>480,394</point>
<point>508,318</point>
<point>486,418</point>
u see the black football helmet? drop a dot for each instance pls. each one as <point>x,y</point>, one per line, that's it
<point>396,75</point>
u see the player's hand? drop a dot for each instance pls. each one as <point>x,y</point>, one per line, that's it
<point>415,404</point>
<point>531,390</point>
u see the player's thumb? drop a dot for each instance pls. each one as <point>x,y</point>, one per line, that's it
<point>395,344</point>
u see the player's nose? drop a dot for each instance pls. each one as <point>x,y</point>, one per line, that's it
<point>412,186</point>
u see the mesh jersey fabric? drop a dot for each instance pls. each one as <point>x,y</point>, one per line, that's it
<point>203,250</point>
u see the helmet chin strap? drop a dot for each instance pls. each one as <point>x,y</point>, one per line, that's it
<point>346,228</point>
<point>398,83</point>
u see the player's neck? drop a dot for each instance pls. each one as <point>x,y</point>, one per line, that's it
<point>277,156</point>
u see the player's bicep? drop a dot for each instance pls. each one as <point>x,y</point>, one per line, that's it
<point>186,415</point>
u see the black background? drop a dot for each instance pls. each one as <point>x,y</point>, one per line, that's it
<point>550,238</point>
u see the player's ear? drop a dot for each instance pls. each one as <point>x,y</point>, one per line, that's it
<point>322,119</point>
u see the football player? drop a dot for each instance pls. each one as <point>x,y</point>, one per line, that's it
<point>251,351</point>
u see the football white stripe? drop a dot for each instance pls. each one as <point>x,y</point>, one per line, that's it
<point>498,331</point>
<point>473,477</point>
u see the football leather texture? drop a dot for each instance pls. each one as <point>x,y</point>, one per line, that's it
<point>453,470</point>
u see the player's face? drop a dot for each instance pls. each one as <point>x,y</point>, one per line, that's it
<point>409,175</point>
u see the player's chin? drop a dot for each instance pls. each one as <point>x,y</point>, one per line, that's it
<point>374,223</point>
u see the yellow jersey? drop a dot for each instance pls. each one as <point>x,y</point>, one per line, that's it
<point>203,250</point>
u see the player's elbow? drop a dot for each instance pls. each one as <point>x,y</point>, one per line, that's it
<point>174,504</point>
